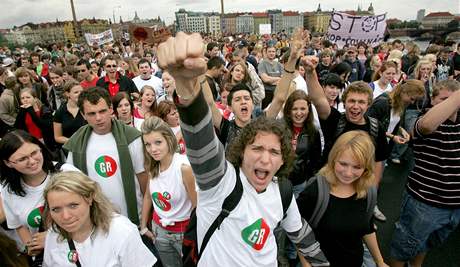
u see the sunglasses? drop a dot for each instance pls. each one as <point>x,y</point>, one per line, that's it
<point>110,66</point>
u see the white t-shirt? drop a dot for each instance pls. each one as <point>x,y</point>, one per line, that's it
<point>378,91</point>
<point>27,210</point>
<point>103,166</point>
<point>300,83</point>
<point>154,81</point>
<point>121,246</point>
<point>249,226</point>
<point>394,119</point>
<point>169,196</point>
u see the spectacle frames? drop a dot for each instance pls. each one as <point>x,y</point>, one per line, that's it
<point>25,159</point>
<point>110,66</point>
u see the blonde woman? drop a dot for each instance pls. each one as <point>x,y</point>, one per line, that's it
<point>84,228</point>
<point>347,221</point>
<point>171,191</point>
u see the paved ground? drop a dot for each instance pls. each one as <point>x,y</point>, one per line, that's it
<point>389,201</point>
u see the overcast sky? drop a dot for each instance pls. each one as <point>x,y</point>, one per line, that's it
<point>19,12</point>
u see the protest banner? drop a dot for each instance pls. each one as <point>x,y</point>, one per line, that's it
<point>265,29</point>
<point>99,38</point>
<point>148,35</point>
<point>345,29</point>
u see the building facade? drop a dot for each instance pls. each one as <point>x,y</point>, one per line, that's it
<point>245,23</point>
<point>291,21</point>
<point>260,18</point>
<point>214,24</point>
<point>437,20</point>
<point>229,24</point>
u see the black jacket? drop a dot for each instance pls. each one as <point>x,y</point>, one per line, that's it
<point>308,158</point>
<point>44,122</point>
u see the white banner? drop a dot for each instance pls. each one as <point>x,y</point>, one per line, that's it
<point>346,29</point>
<point>99,38</point>
<point>265,28</point>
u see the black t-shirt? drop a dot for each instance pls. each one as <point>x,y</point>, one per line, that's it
<point>70,124</point>
<point>228,131</point>
<point>329,128</point>
<point>341,228</point>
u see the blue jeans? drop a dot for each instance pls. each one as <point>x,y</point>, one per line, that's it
<point>420,228</point>
<point>169,246</point>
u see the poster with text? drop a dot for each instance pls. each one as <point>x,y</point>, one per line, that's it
<point>345,29</point>
<point>99,38</point>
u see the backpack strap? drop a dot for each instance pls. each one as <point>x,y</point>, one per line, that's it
<point>286,193</point>
<point>230,202</point>
<point>371,201</point>
<point>322,201</point>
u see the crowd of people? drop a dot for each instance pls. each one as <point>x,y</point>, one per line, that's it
<point>111,155</point>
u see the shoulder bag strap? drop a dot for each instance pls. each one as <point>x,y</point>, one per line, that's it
<point>74,254</point>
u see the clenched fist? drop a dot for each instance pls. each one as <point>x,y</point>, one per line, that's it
<point>183,57</point>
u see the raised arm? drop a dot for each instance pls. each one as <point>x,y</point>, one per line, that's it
<point>439,113</point>
<point>315,91</point>
<point>282,88</point>
<point>183,57</point>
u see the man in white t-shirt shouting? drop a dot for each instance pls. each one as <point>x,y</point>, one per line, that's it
<point>109,152</point>
<point>245,237</point>
<point>146,78</point>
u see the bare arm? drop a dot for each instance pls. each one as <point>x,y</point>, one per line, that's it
<point>189,182</point>
<point>282,89</point>
<point>315,91</point>
<point>57,128</point>
<point>146,213</point>
<point>372,245</point>
<point>439,113</point>
<point>143,179</point>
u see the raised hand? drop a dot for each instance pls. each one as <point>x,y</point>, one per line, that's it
<point>183,57</point>
<point>297,44</point>
<point>309,63</point>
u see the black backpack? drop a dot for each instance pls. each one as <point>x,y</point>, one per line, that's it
<point>190,254</point>
<point>323,200</point>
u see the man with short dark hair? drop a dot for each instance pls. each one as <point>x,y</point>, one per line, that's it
<point>146,78</point>
<point>113,81</point>
<point>270,72</point>
<point>109,152</point>
<point>214,74</point>
<point>86,77</point>
<point>212,50</point>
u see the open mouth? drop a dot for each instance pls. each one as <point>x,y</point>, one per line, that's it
<point>261,174</point>
<point>244,110</point>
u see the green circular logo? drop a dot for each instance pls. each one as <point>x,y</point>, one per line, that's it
<point>72,256</point>
<point>34,219</point>
<point>105,166</point>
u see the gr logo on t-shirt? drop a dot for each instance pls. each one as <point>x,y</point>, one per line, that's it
<point>105,166</point>
<point>34,219</point>
<point>161,200</point>
<point>256,234</point>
